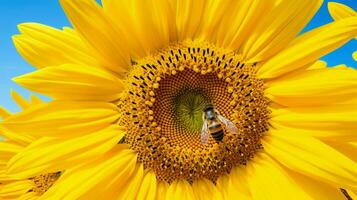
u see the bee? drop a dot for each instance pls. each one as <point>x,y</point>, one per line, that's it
<point>213,124</point>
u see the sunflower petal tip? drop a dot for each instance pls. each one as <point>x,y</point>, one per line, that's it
<point>25,26</point>
<point>21,80</point>
<point>354,55</point>
<point>340,11</point>
<point>332,3</point>
<point>17,79</point>
<point>16,37</point>
<point>18,40</point>
<point>13,93</point>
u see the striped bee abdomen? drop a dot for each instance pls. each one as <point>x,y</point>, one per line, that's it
<point>216,131</point>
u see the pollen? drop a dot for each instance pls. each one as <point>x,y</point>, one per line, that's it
<point>163,106</point>
<point>44,181</point>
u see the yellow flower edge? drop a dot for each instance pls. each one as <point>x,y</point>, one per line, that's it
<point>11,144</point>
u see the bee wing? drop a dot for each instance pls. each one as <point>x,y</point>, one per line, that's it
<point>204,133</point>
<point>230,125</point>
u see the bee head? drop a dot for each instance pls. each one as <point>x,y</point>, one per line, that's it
<point>208,107</point>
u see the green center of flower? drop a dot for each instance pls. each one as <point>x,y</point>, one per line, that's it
<point>163,109</point>
<point>188,107</point>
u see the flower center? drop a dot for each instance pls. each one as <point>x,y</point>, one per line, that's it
<point>187,109</point>
<point>43,182</point>
<point>164,110</point>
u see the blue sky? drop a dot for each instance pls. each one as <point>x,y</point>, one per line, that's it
<point>49,12</point>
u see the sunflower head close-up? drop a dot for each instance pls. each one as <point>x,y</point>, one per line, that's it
<point>184,99</point>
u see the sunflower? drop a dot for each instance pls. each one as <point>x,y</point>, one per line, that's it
<point>339,11</point>
<point>132,84</point>
<point>20,188</point>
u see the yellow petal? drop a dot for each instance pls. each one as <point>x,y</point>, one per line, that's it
<point>148,25</point>
<point>205,189</point>
<point>130,190</point>
<point>148,187</point>
<point>232,19</point>
<point>4,113</point>
<point>354,55</point>
<point>21,101</point>
<point>49,155</point>
<point>62,119</point>
<point>223,182</point>
<point>117,187</point>
<point>244,21</point>
<point>346,148</point>
<point>44,46</point>
<point>119,163</point>
<point>335,118</point>
<point>3,173</point>
<point>73,82</point>
<point>99,33</point>
<point>188,18</point>
<point>267,180</point>
<point>278,28</point>
<point>316,188</point>
<point>291,75</point>
<point>315,87</point>
<point>34,100</point>
<point>15,188</point>
<point>318,65</point>
<point>339,11</point>
<point>317,132</point>
<point>9,149</point>
<point>161,190</point>
<point>180,189</point>
<point>28,196</point>
<point>233,185</point>
<point>309,47</point>
<point>23,139</point>
<point>312,158</point>
<point>212,17</point>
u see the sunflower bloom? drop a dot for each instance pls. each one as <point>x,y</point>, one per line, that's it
<point>21,188</point>
<point>189,100</point>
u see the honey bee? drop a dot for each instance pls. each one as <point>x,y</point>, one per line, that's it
<point>213,125</point>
